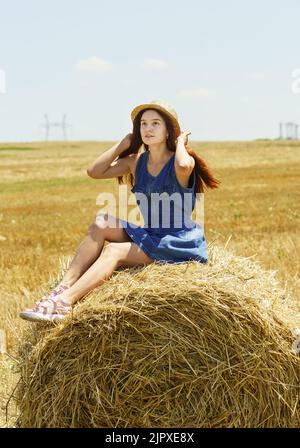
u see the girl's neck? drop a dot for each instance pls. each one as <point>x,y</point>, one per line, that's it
<point>157,157</point>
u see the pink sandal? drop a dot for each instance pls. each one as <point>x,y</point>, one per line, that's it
<point>39,311</point>
<point>50,310</point>
<point>55,292</point>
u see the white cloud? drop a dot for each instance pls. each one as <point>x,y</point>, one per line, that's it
<point>156,64</point>
<point>94,64</point>
<point>197,93</point>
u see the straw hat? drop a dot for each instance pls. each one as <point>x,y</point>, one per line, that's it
<point>163,107</point>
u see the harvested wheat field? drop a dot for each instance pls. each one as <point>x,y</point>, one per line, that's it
<point>47,204</point>
<point>185,345</point>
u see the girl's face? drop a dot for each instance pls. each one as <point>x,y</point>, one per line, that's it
<point>153,128</point>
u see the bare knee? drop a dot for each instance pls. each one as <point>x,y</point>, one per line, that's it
<point>102,221</point>
<point>98,225</point>
<point>115,252</point>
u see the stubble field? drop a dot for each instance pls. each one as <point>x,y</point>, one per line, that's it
<point>48,202</point>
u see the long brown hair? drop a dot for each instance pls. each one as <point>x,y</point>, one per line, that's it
<point>204,176</point>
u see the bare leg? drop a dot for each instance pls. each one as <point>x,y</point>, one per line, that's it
<point>112,257</point>
<point>89,250</point>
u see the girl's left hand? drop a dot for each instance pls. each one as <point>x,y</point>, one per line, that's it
<point>184,136</point>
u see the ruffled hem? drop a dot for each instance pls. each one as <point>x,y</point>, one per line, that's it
<point>158,254</point>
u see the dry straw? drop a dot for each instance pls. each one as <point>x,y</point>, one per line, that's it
<point>185,345</point>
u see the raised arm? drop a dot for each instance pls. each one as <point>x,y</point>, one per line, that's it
<point>105,165</point>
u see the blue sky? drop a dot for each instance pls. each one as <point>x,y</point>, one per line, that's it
<point>225,66</point>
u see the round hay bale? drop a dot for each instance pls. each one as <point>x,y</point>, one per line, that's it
<point>185,345</point>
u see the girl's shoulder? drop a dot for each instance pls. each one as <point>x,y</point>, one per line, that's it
<point>133,160</point>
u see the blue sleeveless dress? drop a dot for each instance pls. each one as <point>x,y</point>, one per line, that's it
<point>169,234</point>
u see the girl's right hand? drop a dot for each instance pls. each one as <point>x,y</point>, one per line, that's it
<point>125,143</point>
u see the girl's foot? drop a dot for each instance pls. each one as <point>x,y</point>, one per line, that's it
<point>55,292</point>
<point>47,310</point>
